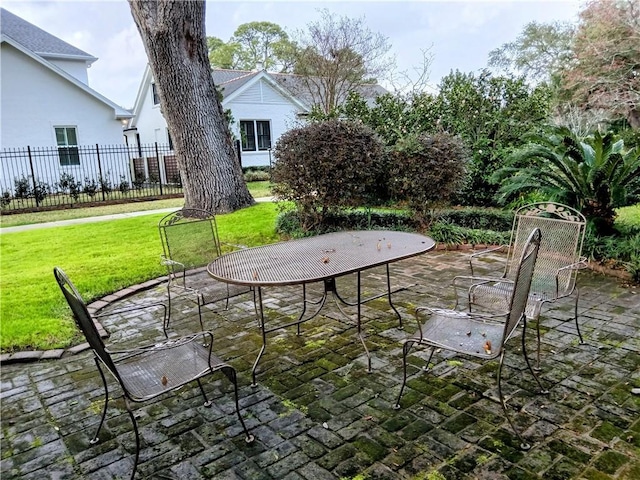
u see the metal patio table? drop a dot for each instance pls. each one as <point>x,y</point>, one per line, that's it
<point>322,258</point>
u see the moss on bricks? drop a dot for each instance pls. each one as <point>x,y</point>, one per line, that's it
<point>606,432</point>
<point>373,450</point>
<point>565,469</point>
<point>610,461</point>
<point>573,453</point>
<point>459,422</point>
<point>415,429</point>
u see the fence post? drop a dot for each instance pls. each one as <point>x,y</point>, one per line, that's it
<point>100,177</point>
<point>33,176</point>
<point>159,173</point>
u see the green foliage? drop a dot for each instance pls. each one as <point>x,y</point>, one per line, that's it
<point>326,166</point>
<point>425,170</point>
<point>477,218</point>
<point>491,115</point>
<point>288,222</point>
<point>590,173</point>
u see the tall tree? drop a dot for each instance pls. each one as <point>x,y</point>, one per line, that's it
<point>253,46</point>
<point>174,38</point>
<point>336,55</point>
<point>605,72</point>
<point>223,55</point>
<point>539,52</point>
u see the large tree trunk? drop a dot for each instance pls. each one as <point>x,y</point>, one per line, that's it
<point>174,38</point>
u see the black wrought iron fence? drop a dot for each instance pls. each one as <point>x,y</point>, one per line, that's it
<point>44,177</point>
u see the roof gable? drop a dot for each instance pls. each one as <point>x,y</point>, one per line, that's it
<point>119,112</point>
<point>37,40</point>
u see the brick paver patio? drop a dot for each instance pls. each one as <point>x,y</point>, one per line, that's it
<point>317,414</point>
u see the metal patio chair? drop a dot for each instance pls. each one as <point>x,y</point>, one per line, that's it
<point>481,334</point>
<point>559,259</point>
<point>189,241</point>
<point>147,371</point>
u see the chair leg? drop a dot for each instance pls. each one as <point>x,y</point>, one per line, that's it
<point>526,356</point>
<point>168,307</point>
<point>575,312</point>
<point>405,351</point>
<point>231,375</point>
<point>95,438</point>
<point>524,445</point>
<point>137,434</point>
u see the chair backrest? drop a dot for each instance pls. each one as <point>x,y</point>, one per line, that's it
<point>189,236</point>
<point>83,319</point>
<point>563,230</point>
<point>523,279</point>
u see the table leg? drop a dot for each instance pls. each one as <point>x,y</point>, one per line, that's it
<point>359,319</point>
<point>389,296</point>
<point>260,311</point>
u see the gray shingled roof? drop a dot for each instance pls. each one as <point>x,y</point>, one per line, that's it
<point>36,39</point>
<point>232,80</point>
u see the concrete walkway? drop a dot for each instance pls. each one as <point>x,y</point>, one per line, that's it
<point>317,414</point>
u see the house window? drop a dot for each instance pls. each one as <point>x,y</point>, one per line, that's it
<point>154,93</point>
<point>67,141</point>
<point>255,133</point>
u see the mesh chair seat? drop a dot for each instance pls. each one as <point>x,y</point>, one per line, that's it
<point>462,332</point>
<point>153,372</point>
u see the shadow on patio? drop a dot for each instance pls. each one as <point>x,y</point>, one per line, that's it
<point>318,414</point>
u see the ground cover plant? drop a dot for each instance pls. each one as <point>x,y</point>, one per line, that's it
<point>101,258</point>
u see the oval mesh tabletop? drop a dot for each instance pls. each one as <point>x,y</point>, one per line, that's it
<point>311,259</point>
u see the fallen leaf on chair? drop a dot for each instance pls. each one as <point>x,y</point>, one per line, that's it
<point>487,347</point>
<point>255,275</point>
<point>325,259</point>
<point>164,380</point>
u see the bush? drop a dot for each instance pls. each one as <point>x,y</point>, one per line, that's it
<point>477,218</point>
<point>323,167</point>
<point>288,223</point>
<point>426,170</point>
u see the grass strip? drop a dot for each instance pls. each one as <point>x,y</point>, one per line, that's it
<point>100,258</point>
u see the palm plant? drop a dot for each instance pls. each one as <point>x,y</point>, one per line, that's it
<point>590,173</point>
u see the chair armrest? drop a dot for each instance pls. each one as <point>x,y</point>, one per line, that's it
<point>169,262</point>
<point>579,265</point>
<point>238,247</point>
<point>483,252</point>
<point>470,282</point>
<point>456,314</point>
<point>166,345</point>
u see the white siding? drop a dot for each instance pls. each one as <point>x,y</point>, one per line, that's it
<point>35,99</point>
<point>259,102</point>
<point>262,102</point>
<point>75,68</point>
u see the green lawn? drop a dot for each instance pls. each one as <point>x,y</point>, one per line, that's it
<point>100,258</point>
<point>257,189</point>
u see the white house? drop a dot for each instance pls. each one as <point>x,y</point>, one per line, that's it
<point>262,110</point>
<point>48,107</point>
<point>46,99</point>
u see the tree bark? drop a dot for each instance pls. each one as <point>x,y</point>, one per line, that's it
<point>173,34</point>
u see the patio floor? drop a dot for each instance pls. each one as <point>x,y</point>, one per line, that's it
<point>317,414</point>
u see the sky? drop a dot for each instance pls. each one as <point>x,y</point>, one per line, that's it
<point>457,35</point>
